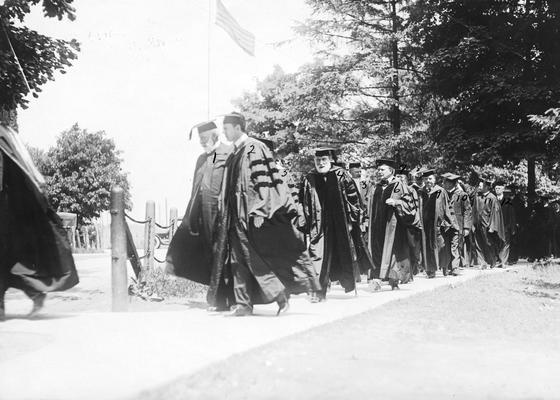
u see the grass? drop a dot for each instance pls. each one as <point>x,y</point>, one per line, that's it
<point>160,284</point>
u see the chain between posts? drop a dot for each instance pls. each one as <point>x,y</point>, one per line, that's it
<point>166,227</point>
<point>136,221</point>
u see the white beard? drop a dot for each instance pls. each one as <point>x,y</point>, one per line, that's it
<point>323,170</point>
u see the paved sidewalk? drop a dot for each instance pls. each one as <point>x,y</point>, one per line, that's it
<point>118,355</point>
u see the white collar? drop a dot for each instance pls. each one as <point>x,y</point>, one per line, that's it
<point>241,139</point>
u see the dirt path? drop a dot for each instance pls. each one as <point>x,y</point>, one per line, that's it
<point>494,337</point>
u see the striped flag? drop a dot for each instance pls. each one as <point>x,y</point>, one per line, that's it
<point>244,38</point>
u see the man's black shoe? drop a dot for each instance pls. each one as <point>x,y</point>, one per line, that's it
<point>283,304</point>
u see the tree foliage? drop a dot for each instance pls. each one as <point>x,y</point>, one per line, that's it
<point>496,62</point>
<point>80,171</point>
<point>40,56</point>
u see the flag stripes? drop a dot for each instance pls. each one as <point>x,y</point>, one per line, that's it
<point>244,38</point>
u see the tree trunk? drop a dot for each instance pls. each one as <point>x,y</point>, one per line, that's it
<point>531,180</point>
<point>395,109</point>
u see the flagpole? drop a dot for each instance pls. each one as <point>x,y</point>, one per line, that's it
<point>15,56</point>
<point>209,57</point>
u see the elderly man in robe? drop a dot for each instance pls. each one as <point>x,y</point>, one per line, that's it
<point>256,236</point>
<point>333,212</point>
<point>488,225</point>
<point>439,223</point>
<point>392,211</point>
<point>510,221</point>
<point>461,204</point>
<point>190,252</point>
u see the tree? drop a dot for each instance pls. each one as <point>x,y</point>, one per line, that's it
<point>495,62</point>
<point>39,56</point>
<point>80,171</point>
<point>360,92</point>
<point>376,53</point>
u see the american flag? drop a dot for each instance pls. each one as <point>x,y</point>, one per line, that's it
<point>244,38</point>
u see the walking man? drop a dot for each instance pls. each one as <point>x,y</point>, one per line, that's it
<point>256,235</point>
<point>191,250</point>
<point>333,214</point>
<point>463,213</point>
<point>35,255</point>
<point>510,222</point>
<point>488,225</point>
<point>439,223</point>
<point>392,211</point>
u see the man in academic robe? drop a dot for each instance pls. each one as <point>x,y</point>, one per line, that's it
<point>35,255</point>
<point>391,211</point>
<point>510,221</point>
<point>439,223</point>
<point>417,233</point>
<point>462,209</point>
<point>289,179</point>
<point>355,170</point>
<point>190,252</point>
<point>256,234</point>
<point>488,225</point>
<point>414,231</point>
<point>333,214</point>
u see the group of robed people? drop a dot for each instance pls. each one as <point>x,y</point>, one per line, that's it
<point>254,236</point>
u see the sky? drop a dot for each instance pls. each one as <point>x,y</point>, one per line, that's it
<point>142,77</point>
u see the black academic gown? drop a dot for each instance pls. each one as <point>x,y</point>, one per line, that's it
<point>331,205</point>
<point>510,228</point>
<point>35,255</point>
<point>190,252</point>
<point>415,232</point>
<point>267,261</point>
<point>388,240</point>
<point>489,232</point>
<point>461,204</point>
<point>440,226</point>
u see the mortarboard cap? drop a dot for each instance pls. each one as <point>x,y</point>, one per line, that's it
<point>340,164</point>
<point>269,143</point>
<point>451,176</point>
<point>354,165</point>
<point>203,127</point>
<point>325,151</point>
<point>386,161</point>
<point>427,172</point>
<point>500,182</point>
<point>234,118</point>
<point>485,179</point>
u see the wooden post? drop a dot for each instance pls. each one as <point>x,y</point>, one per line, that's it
<point>149,236</point>
<point>78,241</point>
<point>97,237</point>
<point>173,221</point>
<point>85,229</point>
<point>119,280</point>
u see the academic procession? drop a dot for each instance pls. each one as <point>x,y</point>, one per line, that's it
<point>255,236</point>
<point>273,215</point>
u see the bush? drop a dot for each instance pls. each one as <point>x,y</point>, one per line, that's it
<point>160,284</point>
